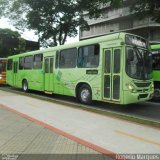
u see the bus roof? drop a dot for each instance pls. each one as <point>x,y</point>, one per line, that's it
<point>78,44</point>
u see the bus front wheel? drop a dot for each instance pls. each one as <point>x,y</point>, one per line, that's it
<point>156,93</point>
<point>25,85</point>
<point>85,94</point>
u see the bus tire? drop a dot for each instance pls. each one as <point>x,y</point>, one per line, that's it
<point>156,93</point>
<point>25,85</point>
<point>85,94</point>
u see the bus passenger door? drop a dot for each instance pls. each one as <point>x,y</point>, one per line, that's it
<point>48,75</point>
<point>107,74</point>
<point>112,58</point>
<point>15,70</point>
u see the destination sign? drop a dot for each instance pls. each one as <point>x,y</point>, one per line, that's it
<point>137,41</point>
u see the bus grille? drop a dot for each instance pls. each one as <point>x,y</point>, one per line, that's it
<point>142,96</point>
<point>142,90</point>
<point>143,84</point>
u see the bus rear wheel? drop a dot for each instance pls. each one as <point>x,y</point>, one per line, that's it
<point>25,85</point>
<point>85,94</point>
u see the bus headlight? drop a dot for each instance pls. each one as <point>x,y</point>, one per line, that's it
<point>152,86</point>
<point>0,77</point>
<point>131,88</point>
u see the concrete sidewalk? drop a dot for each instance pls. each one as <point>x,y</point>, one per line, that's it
<point>115,135</point>
<point>22,139</point>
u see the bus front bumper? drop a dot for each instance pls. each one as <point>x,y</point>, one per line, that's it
<point>137,97</point>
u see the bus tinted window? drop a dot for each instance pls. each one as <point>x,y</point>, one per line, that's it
<point>38,61</point>
<point>21,63</point>
<point>107,61</point>
<point>117,61</point>
<point>51,64</point>
<point>67,58</point>
<point>2,66</point>
<point>9,64</point>
<point>28,62</point>
<point>57,60</point>
<point>88,56</point>
<point>156,60</point>
<point>47,65</point>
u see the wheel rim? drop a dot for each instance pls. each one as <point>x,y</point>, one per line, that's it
<point>24,86</point>
<point>157,93</point>
<point>85,95</point>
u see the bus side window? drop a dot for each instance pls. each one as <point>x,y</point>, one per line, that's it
<point>67,58</point>
<point>38,58</point>
<point>9,64</point>
<point>88,56</point>
<point>80,61</point>
<point>21,63</point>
<point>28,62</point>
<point>57,60</point>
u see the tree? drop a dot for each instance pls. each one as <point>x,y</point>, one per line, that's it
<point>53,20</point>
<point>11,43</point>
<point>139,8</point>
<point>95,7</point>
<point>8,42</point>
<point>147,8</point>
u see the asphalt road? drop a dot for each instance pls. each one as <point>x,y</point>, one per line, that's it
<point>147,110</point>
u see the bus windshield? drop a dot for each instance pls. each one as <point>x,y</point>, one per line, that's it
<point>138,63</point>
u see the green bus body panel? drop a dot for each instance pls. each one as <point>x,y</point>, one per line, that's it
<point>156,75</point>
<point>34,77</point>
<point>156,46</point>
<point>64,81</point>
<point>49,76</point>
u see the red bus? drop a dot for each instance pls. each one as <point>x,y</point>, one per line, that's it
<point>3,62</point>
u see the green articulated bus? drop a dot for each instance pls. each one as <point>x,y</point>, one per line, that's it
<point>156,69</point>
<point>114,68</point>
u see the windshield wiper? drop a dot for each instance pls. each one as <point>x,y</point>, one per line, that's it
<point>141,60</point>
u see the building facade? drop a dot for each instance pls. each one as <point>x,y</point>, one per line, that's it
<point>115,20</point>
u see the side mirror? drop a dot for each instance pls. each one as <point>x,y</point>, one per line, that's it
<point>130,55</point>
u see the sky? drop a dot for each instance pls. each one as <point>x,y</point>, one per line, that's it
<point>28,35</point>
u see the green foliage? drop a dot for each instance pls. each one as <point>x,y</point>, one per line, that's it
<point>52,20</point>
<point>139,8</point>
<point>7,33</point>
<point>10,43</point>
<point>55,20</point>
<point>147,8</point>
<point>22,45</point>
<point>95,7</point>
